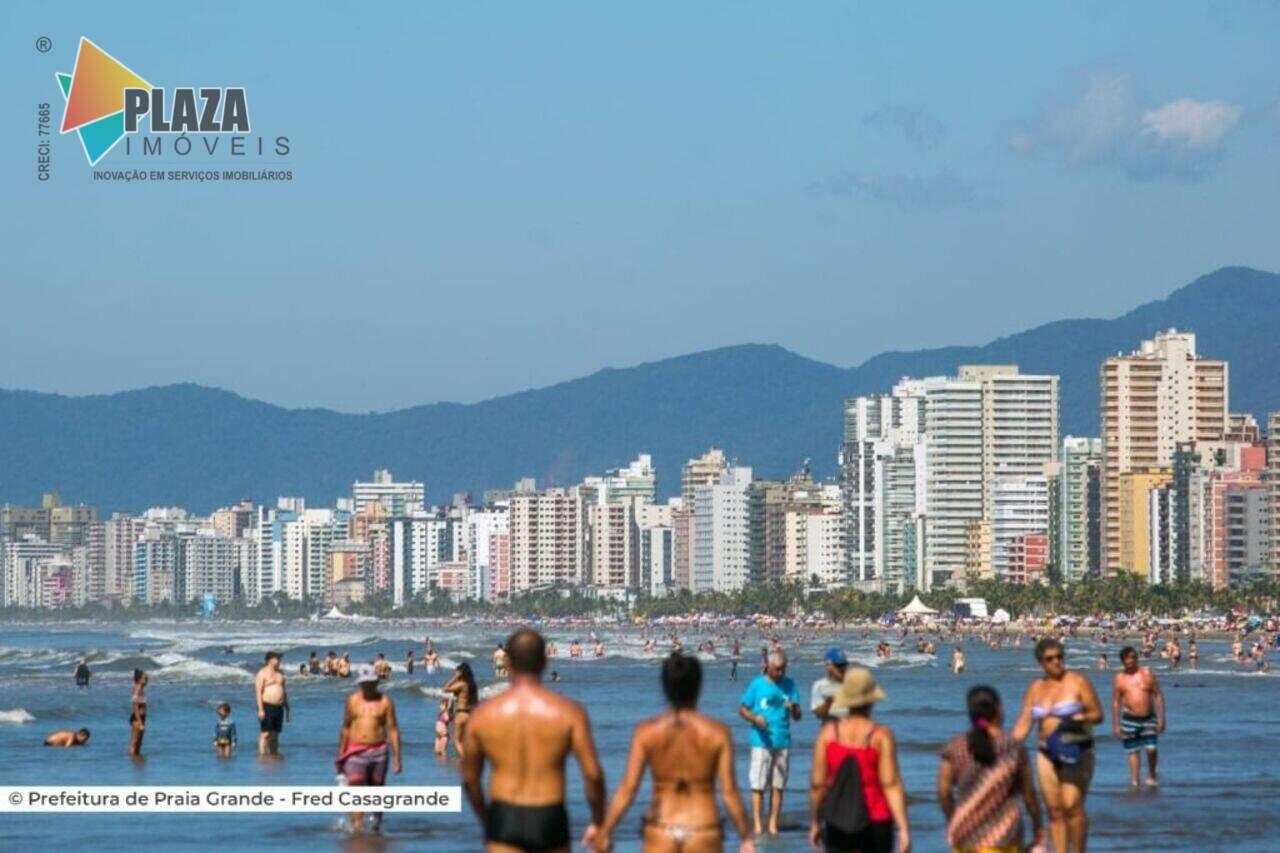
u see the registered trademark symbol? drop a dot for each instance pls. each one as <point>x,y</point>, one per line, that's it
<point>44,44</point>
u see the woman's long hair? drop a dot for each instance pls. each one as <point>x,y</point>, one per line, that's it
<point>984,707</point>
<point>469,679</point>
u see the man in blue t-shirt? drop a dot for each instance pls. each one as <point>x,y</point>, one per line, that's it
<point>769,704</point>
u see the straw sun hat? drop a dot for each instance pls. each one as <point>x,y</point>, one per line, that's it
<point>859,689</point>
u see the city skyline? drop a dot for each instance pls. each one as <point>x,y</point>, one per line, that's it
<point>531,213</point>
<point>945,481</point>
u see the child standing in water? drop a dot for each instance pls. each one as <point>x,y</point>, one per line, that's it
<point>224,732</point>
<point>442,728</point>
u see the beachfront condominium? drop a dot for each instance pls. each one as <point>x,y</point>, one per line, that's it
<point>920,468</point>
<point>1273,490</point>
<point>813,540</point>
<point>483,527</point>
<point>1154,399</point>
<point>399,498</point>
<point>656,531</point>
<point>768,503</point>
<point>882,477</point>
<point>721,533</point>
<point>1079,491</point>
<point>547,539</point>
<point>990,423</point>
<point>705,470</point>
<point>613,543</point>
<point>207,562</point>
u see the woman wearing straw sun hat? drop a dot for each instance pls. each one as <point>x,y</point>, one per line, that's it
<point>856,796</point>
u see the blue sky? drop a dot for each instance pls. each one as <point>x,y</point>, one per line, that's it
<point>494,197</point>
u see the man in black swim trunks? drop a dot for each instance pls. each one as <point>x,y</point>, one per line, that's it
<point>273,704</point>
<point>525,808</point>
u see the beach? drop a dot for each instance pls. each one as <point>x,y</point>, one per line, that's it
<point>1216,775</point>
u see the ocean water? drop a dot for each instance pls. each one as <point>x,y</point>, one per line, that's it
<point>1219,776</point>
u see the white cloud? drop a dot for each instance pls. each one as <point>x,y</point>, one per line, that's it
<point>1196,124</point>
<point>1107,126</point>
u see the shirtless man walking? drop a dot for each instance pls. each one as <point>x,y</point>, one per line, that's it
<point>525,734</point>
<point>273,704</point>
<point>368,726</point>
<point>1137,713</point>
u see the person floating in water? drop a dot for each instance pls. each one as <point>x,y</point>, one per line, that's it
<point>382,667</point>
<point>68,737</point>
<point>224,732</point>
<point>958,662</point>
<point>82,673</point>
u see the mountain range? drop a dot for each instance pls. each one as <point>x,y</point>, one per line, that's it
<point>769,408</point>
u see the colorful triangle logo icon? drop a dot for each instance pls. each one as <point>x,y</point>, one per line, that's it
<point>94,95</point>
<point>97,86</point>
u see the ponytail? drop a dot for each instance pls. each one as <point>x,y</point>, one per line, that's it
<point>983,704</point>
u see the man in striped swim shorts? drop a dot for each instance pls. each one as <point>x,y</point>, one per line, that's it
<point>1137,714</point>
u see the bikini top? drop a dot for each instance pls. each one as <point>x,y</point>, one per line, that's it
<point>1063,709</point>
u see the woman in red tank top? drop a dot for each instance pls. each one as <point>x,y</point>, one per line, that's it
<point>856,738</point>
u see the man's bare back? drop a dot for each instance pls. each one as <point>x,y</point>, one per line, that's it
<point>525,734</point>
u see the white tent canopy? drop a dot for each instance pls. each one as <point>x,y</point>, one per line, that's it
<point>1000,617</point>
<point>917,608</point>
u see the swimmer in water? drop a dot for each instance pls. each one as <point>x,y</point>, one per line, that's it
<point>79,737</point>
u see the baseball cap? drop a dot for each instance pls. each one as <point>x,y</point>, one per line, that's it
<point>835,657</point>
<point>367,674</point>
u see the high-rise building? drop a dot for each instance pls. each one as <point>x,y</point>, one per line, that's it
<point>721,535</point>
<point>208,561</point>
<point>52,521</point>
<point>27,562</point>
<point>547,539</point>
<point>707,469</point>
<point>1154,399</point>
<point>614,543</point>
<point>155,567</point>
<point>481,526</point>
<point>1133,530</point>
<point>813,539</point>
<point>768,503</point>
<point>399,499</point>
<point>1273,489</point>
<point>655,523</point>
<point>637,480</point>
<point>884,483</point>
<point>1079,508</point>
<point>1019,513</point>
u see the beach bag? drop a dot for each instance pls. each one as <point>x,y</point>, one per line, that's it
<point>843,806</point>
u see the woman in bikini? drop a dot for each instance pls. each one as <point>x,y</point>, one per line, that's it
<point>872,748</point>
<point>689,755</point>
<point>465,697</point>
<point>1065,707</point>
<point>138,715</point>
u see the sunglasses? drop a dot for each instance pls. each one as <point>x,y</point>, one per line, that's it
<point>1050,658</point>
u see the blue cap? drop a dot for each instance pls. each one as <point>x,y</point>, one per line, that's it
<point>835,657</point>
